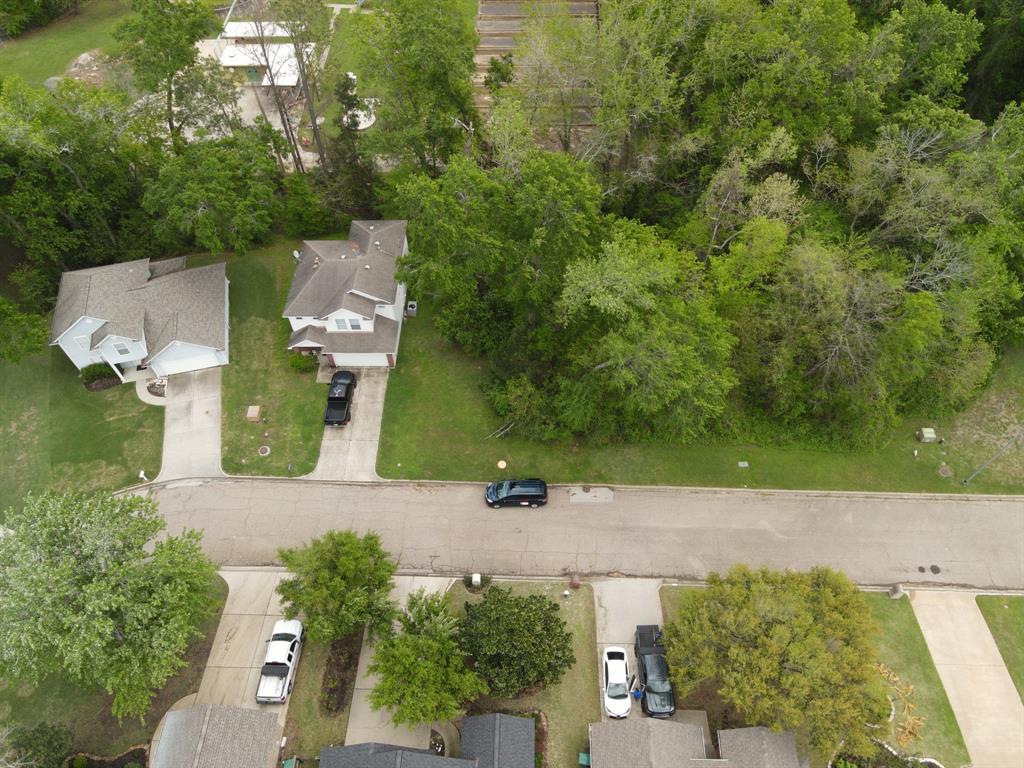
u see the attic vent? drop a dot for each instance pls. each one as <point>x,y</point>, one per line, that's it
<point>371,227</point>
<point>366,266</point>
<point>376,243</point>
<point>343,255</point>
<point>316,262</point>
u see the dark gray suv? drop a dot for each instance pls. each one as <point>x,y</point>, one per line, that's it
<point>517,493</point>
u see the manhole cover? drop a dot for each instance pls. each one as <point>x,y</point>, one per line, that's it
<point>264,450</point>
<point>945,470</point>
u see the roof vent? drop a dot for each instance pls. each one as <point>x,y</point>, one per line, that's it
<point>371,227</point>
<point>366,266</point>
<point>316,262</point>
<point>376,243</point>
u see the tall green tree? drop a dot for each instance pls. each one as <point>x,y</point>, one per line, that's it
<point>340,583</point>
<point>421,55</point>
<point>516,641</point>
<point>788,650</point>
<point>159,41</point>
<point>421,672</point>
<point>93,589</point>
<point>18,15</point>
<point>219,193</point>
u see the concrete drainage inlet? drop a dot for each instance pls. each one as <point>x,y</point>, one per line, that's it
<point>264,450</point>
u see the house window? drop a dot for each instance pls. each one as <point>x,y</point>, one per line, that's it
<point>121,348</point>
<point>355,324</point>
<point>339,323</point>
<point>83,343</point>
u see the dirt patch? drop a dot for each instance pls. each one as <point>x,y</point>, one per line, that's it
<point>106,383</point>
<point>90,67</point>
<point>135,756</point>
<point>340,673</point>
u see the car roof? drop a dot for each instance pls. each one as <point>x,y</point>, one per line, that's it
<point>532,483</point>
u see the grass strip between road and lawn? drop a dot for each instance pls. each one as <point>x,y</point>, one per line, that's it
<point>1004,615</point>
<point>86,712</point>
<point>258,372</point>
<point>41,53</point>
<point>322,698</point>
<point>902,648</point>
<point>55,434</point>
<point>438,422</point>
<point>575,702</point>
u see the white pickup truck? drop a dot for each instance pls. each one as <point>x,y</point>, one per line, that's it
<point>278,673</point>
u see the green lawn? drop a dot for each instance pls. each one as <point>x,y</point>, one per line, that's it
<point>417,444</point>
<point>902,648</point>
<point>258,372</point>
<point>48,51</point>
<point>309,728</point>
<point>1005,617</point>
<point>87,712</point>
<point>574,703</point>
<point>56,434</point>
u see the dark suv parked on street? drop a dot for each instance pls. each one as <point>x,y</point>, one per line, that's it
<point>517,493</point>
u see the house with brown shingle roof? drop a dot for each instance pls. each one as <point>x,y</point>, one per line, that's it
<point>143,314</point>
<point>345,304</point>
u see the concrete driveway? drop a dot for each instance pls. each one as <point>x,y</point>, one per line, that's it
<point>350,452</point>
<point>980,690</point>
<point>233,669</point>
<point>619,606</point>
<point>192,425</point>
<point>364,724</point>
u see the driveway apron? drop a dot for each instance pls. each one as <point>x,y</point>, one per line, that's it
<point>619,606</point>
<point>192,425</point>
<point>984,699</point>
<point>233,669</point>
<point>366,725</point>
<point>350,452</point>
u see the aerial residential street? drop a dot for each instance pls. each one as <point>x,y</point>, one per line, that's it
<point>445,528</point>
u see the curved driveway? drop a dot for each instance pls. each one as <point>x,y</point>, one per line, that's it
<point>445,528</point>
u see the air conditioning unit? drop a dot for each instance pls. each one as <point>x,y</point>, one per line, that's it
<point>411,308</point>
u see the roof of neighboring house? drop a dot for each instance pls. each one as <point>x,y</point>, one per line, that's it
<point>279,60</point>
<point>384,339</point>
<point>499,741</point>
<point>649,743</point>
<point>387,756</point>
<point>158,301</point>
<point>644,743</point>
<point>216,736</point>
<point>342,274</point>
<point>253,29</point>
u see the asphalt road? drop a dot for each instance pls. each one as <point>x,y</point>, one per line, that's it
<point>665,532</point>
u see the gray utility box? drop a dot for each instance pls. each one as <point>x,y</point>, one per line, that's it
<point>927,435</point>
<point>410,309</point>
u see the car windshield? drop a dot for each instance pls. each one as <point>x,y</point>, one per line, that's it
<point>658,686</point>
<point>617,691</point>
<point>285,636</point>
<point>501,489</point>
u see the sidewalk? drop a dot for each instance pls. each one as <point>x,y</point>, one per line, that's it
<point>366,725</point>
<point>984,699</point>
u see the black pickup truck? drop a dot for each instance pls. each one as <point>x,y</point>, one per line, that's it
<point>658,699</point>
<point>339,399</point>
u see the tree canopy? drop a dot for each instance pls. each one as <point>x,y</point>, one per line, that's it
<point>92,589</point>
<point>516,641</point>
<point>788,650</point>
<point>340,583</point>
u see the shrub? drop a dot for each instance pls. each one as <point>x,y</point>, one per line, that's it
<point>42,746</point>
<point>95,372</point>
<point>133,765</point>
<point>79,761</point>
<point>303,363</point>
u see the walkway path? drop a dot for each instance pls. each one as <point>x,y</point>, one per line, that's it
<point>444,528</point>
<point>364,724</point>
<point>984,699</point>
<point>192,425</point>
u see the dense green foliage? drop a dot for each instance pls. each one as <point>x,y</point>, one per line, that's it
<point>830,240</point>
<point>41,746</point>
<point>18,15</point>
<point>516,642</point>
<point>422,676</point>
<point>340,583</point>
<point>92,589</point>
<point>787,650</point>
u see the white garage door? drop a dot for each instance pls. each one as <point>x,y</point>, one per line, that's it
<point>180,360</point>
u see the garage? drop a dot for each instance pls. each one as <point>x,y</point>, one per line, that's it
<point>180,357</point>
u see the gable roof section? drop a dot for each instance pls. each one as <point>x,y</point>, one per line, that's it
<point>157,301</point>
<point>499,741</point>
<point>375,755</point>
<point>384,339</point>
<point>331,270</point>
<point>216,736</point>
<point>644,743</point>
<point>758,748</point>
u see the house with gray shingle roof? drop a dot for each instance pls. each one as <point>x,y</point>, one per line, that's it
<point>650,743</point>
<point>216,736</point>
<point>345,304</point>
<point>143,314</point>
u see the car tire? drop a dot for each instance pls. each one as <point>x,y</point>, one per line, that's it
<point>495,506</point>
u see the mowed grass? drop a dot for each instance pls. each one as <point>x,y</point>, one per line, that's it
<point>575,702</point>
<point>1005,618</point>
<point>47,51</point>
<point>86,712</point>
<point>308,727</point>
<point>258,372</point>
<point>902,648</point>
<point>422,439</point>
<point>56,434</point>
